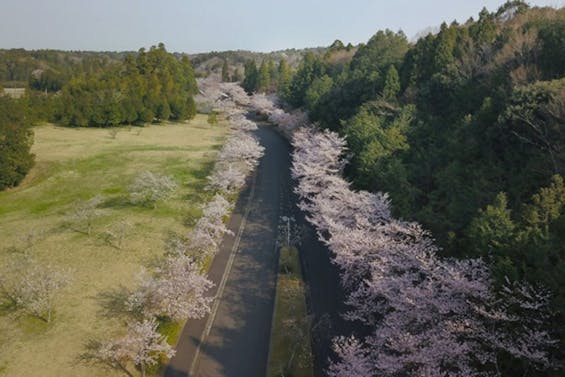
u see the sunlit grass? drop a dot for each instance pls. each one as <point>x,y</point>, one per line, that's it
<point>74,165</point>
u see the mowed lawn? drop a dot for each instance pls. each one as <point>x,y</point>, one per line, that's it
<point>77,164</point>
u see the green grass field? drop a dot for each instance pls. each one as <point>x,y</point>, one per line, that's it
<point>290,353</point>
<point>77,164</point>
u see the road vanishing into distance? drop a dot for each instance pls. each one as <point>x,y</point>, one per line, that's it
<point>233,340</point>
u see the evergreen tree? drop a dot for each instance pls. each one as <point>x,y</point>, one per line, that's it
<point>251,76</point>
<point>16,138</point>
<point>392,84</point>
<point>151,85</point>
<point>237,76</point>
<point>225,71</point>
<point>273,76</point>
<point>284,77</point>
<point>264,77</point>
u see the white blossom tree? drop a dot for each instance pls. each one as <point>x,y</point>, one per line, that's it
<point>116,233</point>
<point>33,287</point>
<point>142,346</point>
<point>149,188</point>
<point>176,290</point>
<point>226,178</point>
<point>263,103</point>
<point>241,147</point>
<point>288,122</point>
<point>356,361</point>
<point>205,237</point>
<point>83,214</point>
<point>430,316</point>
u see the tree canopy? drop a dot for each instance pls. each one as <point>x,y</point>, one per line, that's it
<point>464,130</point>
<point>16,138</point>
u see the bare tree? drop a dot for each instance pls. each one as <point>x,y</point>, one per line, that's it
<point>116,233</point>
<point>83,214</point>
<point>113,132</point>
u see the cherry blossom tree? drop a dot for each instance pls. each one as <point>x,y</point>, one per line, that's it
<point>241,123</point>
<point>205,237</point>
<point>83,214</point>
<point>222,95</point>
<point>149,188</point>
<point>226,179</point>
<point>142,346</point>
<point>288,122</point>
<point>356,361</point>
<point>263,103</point>
<point>235,93</point>
<point>176,290</point>
<point>33,287</point>
<point>241,147</point>
<point>430,316</point>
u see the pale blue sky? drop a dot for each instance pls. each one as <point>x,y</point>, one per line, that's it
<point>206,25</point>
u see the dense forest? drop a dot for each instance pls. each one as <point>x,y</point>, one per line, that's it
<point>87,89</point>
<point>49,70</point>
<point>233,62</point>
<point>465,131</point>
<point>102,88</point>
<point>151,85</point>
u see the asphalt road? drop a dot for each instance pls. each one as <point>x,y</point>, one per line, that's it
<point>233,341</point>
<point>325,297</point>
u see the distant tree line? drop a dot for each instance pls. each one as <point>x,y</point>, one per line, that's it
<point>212,63</point>
<point>152,85</point>
<point>465,129</point>
<point>49,70</point>
<point>268,77</point>
<point>102,88</point>
<point>87,89</point>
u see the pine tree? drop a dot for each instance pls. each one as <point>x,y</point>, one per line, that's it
<point>225,71</point>
<point>250,80</point>
<point>285,76</point>
<point>392,84</point>
<point>264,77</point>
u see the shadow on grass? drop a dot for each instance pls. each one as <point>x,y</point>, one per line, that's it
<point>191,216</point>
<point>202,172</point>
<point>7,306</point>
<point>118,201</point>
<point>29,325</point>
<point>32,325</point>
<point>113,303</point>
<point>199,192</point>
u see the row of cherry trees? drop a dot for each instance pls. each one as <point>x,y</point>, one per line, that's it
<point>425,315</point>
<point>177,288</point>
<point>236,160</point>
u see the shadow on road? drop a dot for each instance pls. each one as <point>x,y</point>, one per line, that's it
<point>238,341</point>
